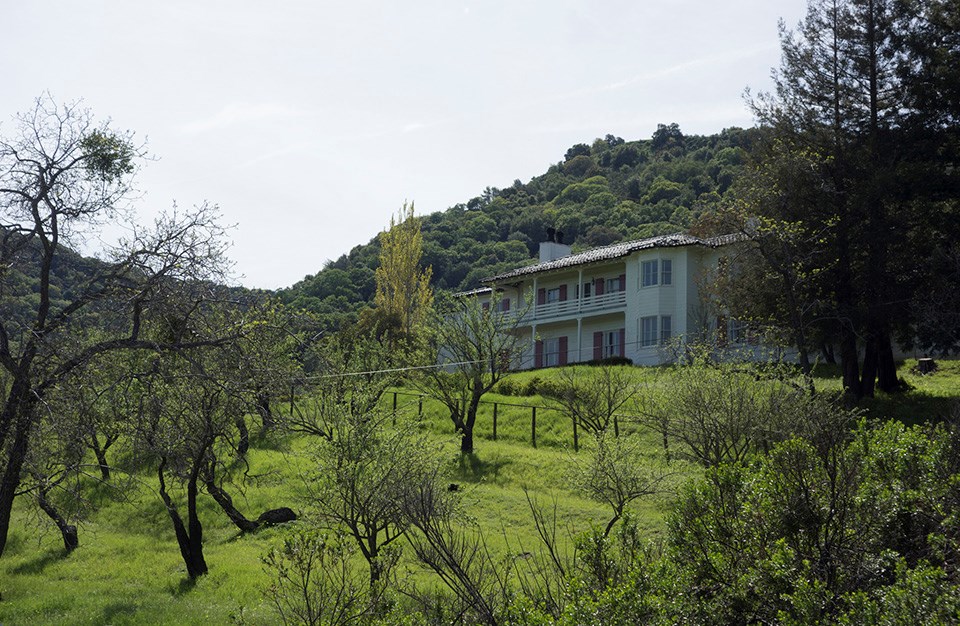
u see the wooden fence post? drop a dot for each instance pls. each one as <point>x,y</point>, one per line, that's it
<point>533,425</point>
<point>394,408</point>
<point>293,391</point>
<point>576,437</point>
<point>495,405</point>
<point>420,407</point>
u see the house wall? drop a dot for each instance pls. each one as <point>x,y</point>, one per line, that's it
<point>578,319</point>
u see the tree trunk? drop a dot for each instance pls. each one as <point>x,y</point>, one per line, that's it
<point>887,370</point>
<point>466,441</point>
<point>828,356</point>
<point>243,444</point>
<point>849,362</point>
<point>189,540</point>
<point>11,476</point>
<point>196,530</point>
<point>68,531</point>
<point>266,414</point>
<point>226,503</point>
<point>101,454</point>
<point>869,377</point>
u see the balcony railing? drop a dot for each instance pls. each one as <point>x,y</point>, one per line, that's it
<point>577,306</point>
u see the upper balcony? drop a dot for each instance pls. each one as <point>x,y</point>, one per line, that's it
<point>591,305</point>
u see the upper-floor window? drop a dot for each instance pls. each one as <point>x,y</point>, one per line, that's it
<point>556,294</point>
<point>657,271</point>
<point>503,306</point>
<point>648,273</point>
<point>616,284</point>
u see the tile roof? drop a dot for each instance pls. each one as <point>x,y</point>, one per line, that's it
<point>614,251</point>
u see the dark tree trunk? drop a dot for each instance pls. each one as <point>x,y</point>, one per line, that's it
<point>849,362</point>
<point>196,531</point>
<point>887,370</point>
<point>470,419</point>
<point>243,444</point>
<point>101,454</point>
<point>10,481</point>
<point>68,531</point>
<point>828,355</point>
<point>266,413</point>
<point>226,503</point>
<point>466,441</point>
<point>869,377</point>
<point>190,537</point>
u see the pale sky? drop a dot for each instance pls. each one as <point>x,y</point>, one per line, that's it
<point>310,122</point>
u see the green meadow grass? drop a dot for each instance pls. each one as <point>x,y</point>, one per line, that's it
<point>128,569</point>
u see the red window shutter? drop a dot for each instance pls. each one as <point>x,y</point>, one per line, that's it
<point>506,305</point>
<point>598,286</point>
<point>538,354</point>
<point>563,293</point>
<point>623,282</point>
<point>563,350</point>
<point>597,346</point>
<point>623,341</point>
<point>541,296</point>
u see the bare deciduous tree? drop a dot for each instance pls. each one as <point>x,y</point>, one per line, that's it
<point>62,176</point>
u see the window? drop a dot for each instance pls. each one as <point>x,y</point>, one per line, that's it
<point>608,343</point>
<point>648,331</point>
<point>551,352</point>
<point>553,295</point>
<point>615,284</point>
<point>666,272</point>
<point>648,273</point>
<point>587,290</point>
<point>503,306</point>
<point>737,331</point>
<point>611,344</point>
<point>666,328</point>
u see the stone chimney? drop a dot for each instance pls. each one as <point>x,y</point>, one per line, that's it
<point>553,248</point>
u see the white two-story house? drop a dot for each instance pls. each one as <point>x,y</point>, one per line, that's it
<point>629,299</point>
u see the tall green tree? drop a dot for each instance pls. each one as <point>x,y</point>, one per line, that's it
<point>845,100</point>
<point>403,297</point>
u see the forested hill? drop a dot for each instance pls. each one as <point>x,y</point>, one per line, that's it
<point>598,194</point>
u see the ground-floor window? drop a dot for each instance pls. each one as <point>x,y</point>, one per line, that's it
<point>608,343</point>
<point>648,331</point>
<point>666,328</point>
<point>551,352</point>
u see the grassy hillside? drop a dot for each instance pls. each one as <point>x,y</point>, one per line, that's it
<point>128,571</point>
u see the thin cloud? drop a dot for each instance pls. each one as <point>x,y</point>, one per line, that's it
<point>686,66</point>
<point>240,113</point>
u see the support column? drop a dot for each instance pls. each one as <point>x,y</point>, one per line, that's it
<point>579,340</point>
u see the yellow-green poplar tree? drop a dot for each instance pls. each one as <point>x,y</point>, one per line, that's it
<point>403,298</point>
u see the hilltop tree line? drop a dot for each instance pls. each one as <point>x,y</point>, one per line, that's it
<point>608,191</point>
